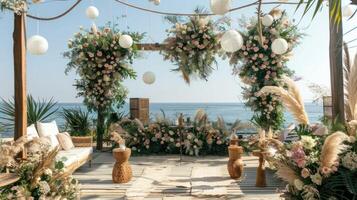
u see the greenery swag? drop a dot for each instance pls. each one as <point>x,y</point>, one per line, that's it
<point>193,44</point>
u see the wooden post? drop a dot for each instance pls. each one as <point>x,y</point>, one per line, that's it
<point>336,66</point>
<point>19,50</point>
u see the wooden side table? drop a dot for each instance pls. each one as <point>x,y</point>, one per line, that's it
<point>235,162</point>
<point>122,172</point>
<point>261,179</point>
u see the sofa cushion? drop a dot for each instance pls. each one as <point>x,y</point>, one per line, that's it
<point>50,131</point>
<point>31,132</point>
<point>65,141</point>
<point>73,156</point>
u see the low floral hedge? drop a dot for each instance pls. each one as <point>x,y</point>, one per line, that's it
<point>164,138</point>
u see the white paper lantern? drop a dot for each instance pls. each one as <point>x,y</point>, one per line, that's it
<point>156,2</point>
<point>267,20</point>
<point>149,78</point>
<point>231,41</point>
<point>220,7</point>
<point>280,46</point>
<point>125,41</point>
<point>92,12</point>
<point>347,11</point>
<point>37,45</point>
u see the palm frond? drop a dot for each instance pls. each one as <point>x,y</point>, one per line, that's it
<point>77,121</point>
<point>316,5</point>
<point>350,70</point>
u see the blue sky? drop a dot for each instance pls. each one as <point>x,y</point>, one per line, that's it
<point>46,78</point>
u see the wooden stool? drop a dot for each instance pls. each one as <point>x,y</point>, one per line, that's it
<point>235,162</point>
<point>261,179</point>
<point>122,172</point>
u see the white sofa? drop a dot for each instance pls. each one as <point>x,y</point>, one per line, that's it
<point>72,158</point>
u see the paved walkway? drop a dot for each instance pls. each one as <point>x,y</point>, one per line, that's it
<point>164,177</point>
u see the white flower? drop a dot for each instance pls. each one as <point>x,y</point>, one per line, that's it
<point>106,78</point>
<point>350,160</point>
<point>298,184</point>
<point>308,142</point>
<point>316,178</point>
<point>44,187</point>
<point>48,172</point>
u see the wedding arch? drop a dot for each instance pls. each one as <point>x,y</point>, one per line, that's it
<point>19,50</point>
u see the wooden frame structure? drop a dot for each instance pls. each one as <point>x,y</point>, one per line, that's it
<point>19,49</point>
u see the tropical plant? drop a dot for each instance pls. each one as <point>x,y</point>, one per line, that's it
<point>37,111</point>
<point>77,122</point>
<point>258,66</point>
<point>102,65</point>
<point>192,45</point>
<point>316,5</point>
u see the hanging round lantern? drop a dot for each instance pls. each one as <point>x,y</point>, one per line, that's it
<point>149,78</point>
<point>92,12</point>
<point>157,2</point>
<point>267,20</point>
<point>220,7</point>
<point>280,46</point>
<point>37,45</point>
<point>125,41</point>
<point>347,11</point>
<point>231,41</point>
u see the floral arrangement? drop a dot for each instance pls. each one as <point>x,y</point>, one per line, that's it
<point>17,6</point>
<point>41,176</point>
<point>192,45</point>
<point>320,164</point>
<point>258,66</point>
<point>102,65</point>
<point>199,138</point>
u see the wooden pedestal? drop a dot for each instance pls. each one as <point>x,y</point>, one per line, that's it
<point>235,162</point>
<point>122,172</point>
<point>261,179</point>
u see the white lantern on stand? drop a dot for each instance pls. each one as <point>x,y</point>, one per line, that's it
<point>149,78</point>
<point>125,41</point>
<point>157,2</point>
<point>280,46</point>
<point>231,41</point>
<point>267,20</point>
<point>37,45</point>
<point>220,7</point>
<point>92,12</point>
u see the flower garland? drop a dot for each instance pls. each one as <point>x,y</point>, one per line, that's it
<point>258,66</point>
<point>17,6</point>
<point>192,46</point>
<point>102,65</point>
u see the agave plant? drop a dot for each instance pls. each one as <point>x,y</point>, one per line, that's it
<point>37,110</point>
<point>78,122</point>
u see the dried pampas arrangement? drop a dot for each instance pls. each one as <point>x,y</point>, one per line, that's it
<point>290,97</point>
<point>286,173</point>
<point>331,149</point>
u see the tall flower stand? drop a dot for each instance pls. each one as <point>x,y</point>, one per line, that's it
<point>235,162</point>
<point>261,179</point>
<point>122,172</point>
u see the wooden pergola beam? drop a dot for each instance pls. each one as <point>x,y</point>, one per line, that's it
<point>19,50</point>
<point>151,46</point>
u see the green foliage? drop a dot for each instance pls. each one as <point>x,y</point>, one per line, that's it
<point>77,122</point>
<point>37,111</point>
<point>258,66</point>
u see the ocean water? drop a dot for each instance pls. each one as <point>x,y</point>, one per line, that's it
<point>229,111</point>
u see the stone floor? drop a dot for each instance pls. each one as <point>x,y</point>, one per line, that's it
<point>165,177</point>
